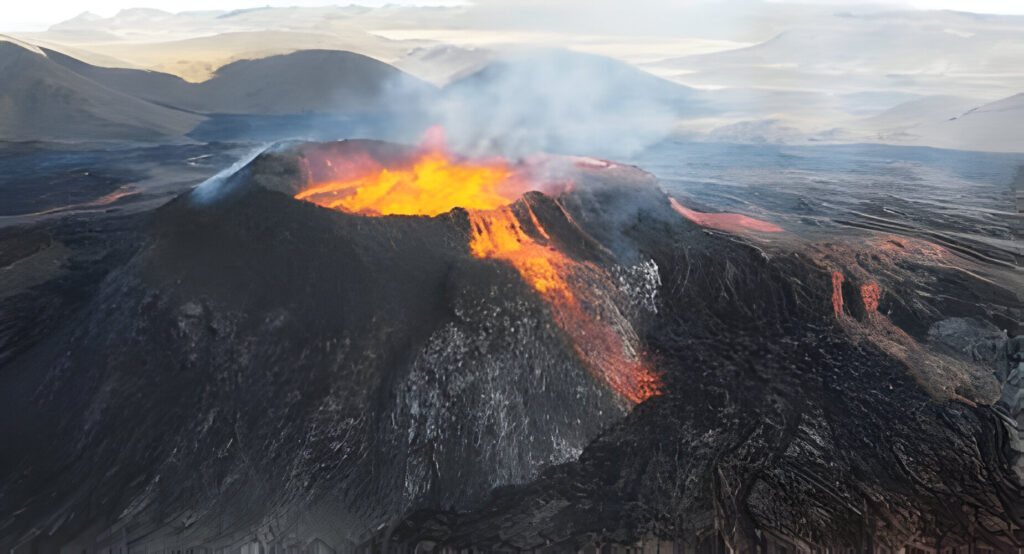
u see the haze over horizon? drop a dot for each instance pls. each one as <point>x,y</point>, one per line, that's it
<point>38,16</point>
<point>760,70</point>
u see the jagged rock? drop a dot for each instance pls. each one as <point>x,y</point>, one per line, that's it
<point>973,338</point>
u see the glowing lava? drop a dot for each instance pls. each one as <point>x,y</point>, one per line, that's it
<point>434,182</point>
<point>837,292</point>
<point>498,234</point>
<point>870,294</point>
<point>566,285</point>
<point>423,189</point>
<point>725,221</point>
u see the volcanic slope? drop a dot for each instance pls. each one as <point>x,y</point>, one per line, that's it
<point>990,127</point>
<point>265,359</point>
<point>783,421</point>
<point>322,81</point>
<point>266,369</point>
<point>41,100</point>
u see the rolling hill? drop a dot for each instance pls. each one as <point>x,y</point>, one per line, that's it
<point>950,122</point>
<point>324,81</point>
<point>53,96</point>
<point>992,127</point>
<point>46,101</point>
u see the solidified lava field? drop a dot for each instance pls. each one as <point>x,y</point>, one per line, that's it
<point>576,355</point>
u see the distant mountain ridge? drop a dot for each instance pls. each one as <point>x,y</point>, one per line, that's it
<point>42,100</point>
<point>993,127</point>
<point>53,96</point>
<point>305,81</point>
<point>951,122</point>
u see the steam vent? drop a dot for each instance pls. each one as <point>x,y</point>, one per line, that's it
<point>359,346</point>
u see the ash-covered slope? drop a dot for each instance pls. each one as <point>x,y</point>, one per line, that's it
<point>307,81</point>
<point>265,370</point>
<point>990,127</point>
<point>321,81</point>
<point>949,122</point>
<point>41,100</point>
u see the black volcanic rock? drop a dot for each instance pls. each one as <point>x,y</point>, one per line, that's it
<point>774,423</point>
<point>254,368</point>
<point>262,358</point>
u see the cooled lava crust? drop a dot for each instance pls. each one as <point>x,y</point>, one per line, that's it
<point>260,366</point>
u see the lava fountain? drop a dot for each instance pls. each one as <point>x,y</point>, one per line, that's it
<point>433,181</point>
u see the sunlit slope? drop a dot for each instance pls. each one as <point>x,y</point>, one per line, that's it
<point>40,100</point>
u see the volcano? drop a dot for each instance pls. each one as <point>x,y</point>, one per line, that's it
<point>360,345</point>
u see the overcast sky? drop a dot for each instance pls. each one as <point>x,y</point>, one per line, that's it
<point>37,15</point>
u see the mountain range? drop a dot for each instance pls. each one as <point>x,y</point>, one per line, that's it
<point>938,79</point>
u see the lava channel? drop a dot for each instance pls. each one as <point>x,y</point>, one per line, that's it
<point>435,182</point>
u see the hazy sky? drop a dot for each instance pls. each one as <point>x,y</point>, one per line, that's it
<point>39,14</point>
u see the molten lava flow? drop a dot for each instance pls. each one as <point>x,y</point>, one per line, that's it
<point>724,221</point>
<point>423,189</point>
<point>498,234</point>
<point>870,293</point>
<point>434,183</point>
<point>837,292</point>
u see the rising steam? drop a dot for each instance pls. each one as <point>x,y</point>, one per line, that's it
<point>557,101</point>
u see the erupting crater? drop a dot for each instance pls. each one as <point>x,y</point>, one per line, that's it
<point>503,226</point>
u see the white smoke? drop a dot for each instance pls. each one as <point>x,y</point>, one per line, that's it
<point>558,101</point>
<point>212,188</point>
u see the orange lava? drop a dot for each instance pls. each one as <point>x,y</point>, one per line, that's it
<point>497,234</point>
<point>837,292</point>
<point>899,248</point>
<point>423,189</point>
<point>723,221</point>
<point>566,285</point>
<point>435,182</point>
<point>870,293</point>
